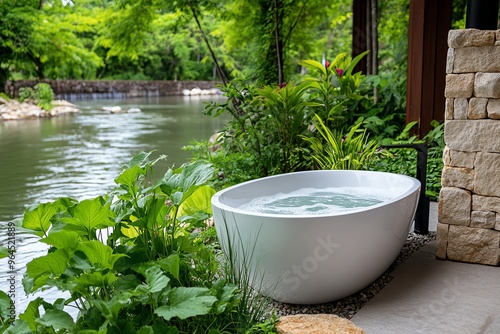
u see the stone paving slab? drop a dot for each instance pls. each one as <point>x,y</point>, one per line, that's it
<point>428,295</point>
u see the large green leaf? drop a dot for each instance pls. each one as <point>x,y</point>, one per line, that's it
<point>62,239</point>
<point>54,263</point>
<point>111,309</point>
<point>38,218</point>
<point>126,282</point>
<point>6,304</point>
<point>227,295</point>
<point>129,176</point>
<point>171,265</point>
<point>182,182</point>
<point>20,327</point>
<point>156,212</point>
<point>90,214</point>
<point>56,319</point>
<point>31,313</point>
<point>187,302</point>
<point>98,253</point>
<point>95,279</point>
<point>4,252</point>
<point>200,200</point>
<point>156,281</point>
<point>140,160</point>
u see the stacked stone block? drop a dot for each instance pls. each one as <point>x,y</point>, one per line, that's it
<point>469,203</point>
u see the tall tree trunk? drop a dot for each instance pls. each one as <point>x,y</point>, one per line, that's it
<point>207,42</point>
<point>369,32</point>
<point>278,40</point>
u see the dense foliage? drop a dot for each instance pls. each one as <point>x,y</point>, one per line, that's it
<point>139,259</point>
<point>328,120</point>
<point>257,40</point>
<point>41,94</point>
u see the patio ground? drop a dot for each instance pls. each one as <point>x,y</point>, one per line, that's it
<point>428,295</point>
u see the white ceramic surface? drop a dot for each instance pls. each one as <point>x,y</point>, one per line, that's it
<point>313,259</point>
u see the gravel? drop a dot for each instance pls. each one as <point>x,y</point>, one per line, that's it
<point>349,306</point>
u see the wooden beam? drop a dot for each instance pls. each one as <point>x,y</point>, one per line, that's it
<point>359,37</point>
<point>429,24</point>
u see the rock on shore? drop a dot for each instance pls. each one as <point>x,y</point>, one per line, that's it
<point>15,110</point>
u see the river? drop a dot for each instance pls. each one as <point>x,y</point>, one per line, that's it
<point>79,155</point>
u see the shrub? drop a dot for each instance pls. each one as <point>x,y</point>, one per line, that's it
<point>26,93</point>
<point>4,96</point>
<point>337,151</point>
<point>268,124</point>
<point>140,258</point>
<point>44,95</point>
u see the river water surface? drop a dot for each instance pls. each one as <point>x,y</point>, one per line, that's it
<point>79,156</point>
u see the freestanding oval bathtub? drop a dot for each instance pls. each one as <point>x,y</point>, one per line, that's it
<point>315,257</point>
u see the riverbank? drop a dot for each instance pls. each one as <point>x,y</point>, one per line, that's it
<point>15,110</point>
<point>110,89</point>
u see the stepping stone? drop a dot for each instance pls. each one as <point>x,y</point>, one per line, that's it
<point>316,324</point>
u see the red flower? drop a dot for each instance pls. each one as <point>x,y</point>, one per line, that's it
<point>282,85</point>
<point>327,63</point>
<point>339,72</point>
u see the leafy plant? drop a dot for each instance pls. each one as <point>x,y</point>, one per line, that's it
<point>267,126</point>
<point>383,117</point>
<point>335,88</point>
<point>284,120</point>
<point>4,96</point>
<point>134,260</point>
<point>26,93</point>
<point>338,151</point>
<point>44,95</point>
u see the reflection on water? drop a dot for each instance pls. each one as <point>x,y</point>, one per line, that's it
<point>80,155</point>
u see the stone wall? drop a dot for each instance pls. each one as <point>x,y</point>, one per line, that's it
<point>88,89</point>
<point>469,203</point>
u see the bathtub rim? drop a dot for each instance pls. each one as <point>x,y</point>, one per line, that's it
<point>215,201</point>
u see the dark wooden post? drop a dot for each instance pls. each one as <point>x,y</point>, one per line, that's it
<point>359,37</point>
<point>430,21</point>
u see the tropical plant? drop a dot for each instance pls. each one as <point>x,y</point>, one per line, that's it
<point>384,118</point>
<point>335,88</point>
<point>135,260</point>
<point>268,124</point>
<point>265,126</point>
<point>284,121</point>
<point>338,151</point>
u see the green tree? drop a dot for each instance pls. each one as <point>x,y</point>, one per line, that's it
<point>279,34</point>
<point>130,24</point>
<point>45,39</point>
<point>16,26</point>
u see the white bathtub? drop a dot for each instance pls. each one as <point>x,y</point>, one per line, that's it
<point>313,259</point>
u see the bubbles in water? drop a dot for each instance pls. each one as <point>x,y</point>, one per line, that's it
<point>312,201</point>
